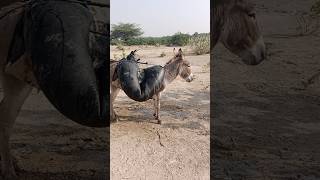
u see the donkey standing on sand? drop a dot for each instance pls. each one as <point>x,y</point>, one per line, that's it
<point>234,24</point>
<point>177,66</point>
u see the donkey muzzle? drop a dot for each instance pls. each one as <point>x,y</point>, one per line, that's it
<point>190,78</point>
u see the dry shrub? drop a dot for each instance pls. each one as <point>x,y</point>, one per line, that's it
<point>200,44</point>
<point>163,54</point>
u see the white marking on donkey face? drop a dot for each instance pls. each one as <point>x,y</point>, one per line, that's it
<point>258,49</point>
<point>190,78</point>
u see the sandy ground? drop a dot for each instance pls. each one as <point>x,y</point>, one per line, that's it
<point>265,119</point>
<point>177,149</point>
<point>47,145</point>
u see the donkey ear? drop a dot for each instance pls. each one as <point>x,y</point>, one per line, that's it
<point>174,51</point>
<point>180,52</point>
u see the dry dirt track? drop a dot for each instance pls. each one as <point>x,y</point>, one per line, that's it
<point>266,121</point>
<point>177,149</point>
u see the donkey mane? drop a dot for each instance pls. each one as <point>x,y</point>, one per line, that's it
<point>169,70</point>
<point>221,7</point>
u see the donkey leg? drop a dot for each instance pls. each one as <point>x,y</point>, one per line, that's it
<point>114,92</point>
<point>154,98</point>
<point>157,107</point>
<point>15,93</point>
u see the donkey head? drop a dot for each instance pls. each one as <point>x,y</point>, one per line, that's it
<point>182,65</point>
<point>239,31</point>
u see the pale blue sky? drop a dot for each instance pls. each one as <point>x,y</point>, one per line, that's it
<point>163,17</point>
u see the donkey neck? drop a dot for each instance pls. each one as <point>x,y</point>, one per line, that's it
<point>171,71</point>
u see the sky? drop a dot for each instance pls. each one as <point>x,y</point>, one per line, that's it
<point>163,17</point>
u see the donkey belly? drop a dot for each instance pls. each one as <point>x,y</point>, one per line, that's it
<point>139,87</point>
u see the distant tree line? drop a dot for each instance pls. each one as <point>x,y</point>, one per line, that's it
<point>130,34</point>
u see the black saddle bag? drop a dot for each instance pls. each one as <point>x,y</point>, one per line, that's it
<point>139,84</point>
<point>73,77</point>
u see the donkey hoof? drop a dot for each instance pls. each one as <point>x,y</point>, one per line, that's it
<point>159,122</point>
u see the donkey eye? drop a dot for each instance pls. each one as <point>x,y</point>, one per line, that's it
<point>252,14</point>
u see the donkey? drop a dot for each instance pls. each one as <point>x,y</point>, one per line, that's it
<point>234,23</point>
<point>177,66</point>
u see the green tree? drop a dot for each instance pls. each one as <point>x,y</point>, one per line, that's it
<point>125,32</point>
<point>180,39</point>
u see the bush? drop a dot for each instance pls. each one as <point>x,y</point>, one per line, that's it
<point>152,41</point>
<point>315,9</point>
<point>163,54</point>
<point>120,47</point>
<point>115,42</point>
<point>180,39</point>
<point>200,43</point>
